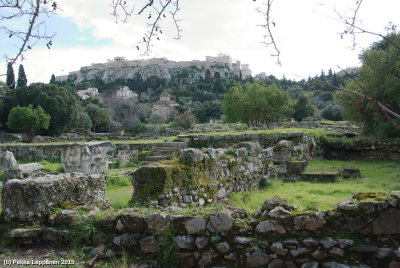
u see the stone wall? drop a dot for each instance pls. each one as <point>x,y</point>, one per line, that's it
<point>360,232</point>
<point>360,149</point>
<point>33,199</point>
<point>202,177</point>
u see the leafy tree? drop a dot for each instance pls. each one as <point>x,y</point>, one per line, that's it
<point>303,108</point>
<point>61,103</point>
<point>53,79</point>
<point>28,120</point>
<point>99,116</point>
<point>379,79</point>
<point>83,121</point>
<point>10,81</point>
<point>332,112</point>
<point>256,104</point>
<point>22,81</point>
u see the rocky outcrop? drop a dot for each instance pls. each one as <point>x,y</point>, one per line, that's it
<point>33,199</point>
<point>89,157</point>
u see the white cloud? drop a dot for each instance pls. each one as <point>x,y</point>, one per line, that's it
<point>306,33</point>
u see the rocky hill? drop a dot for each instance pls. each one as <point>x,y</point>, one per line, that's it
<point>120,68</point>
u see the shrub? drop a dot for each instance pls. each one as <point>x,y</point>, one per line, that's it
<point>332,112</point>
<point>185,120</point>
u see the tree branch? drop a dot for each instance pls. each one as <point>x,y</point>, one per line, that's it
<point>267,26</point>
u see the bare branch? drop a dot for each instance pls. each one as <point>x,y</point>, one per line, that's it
<point>155,10</point>
<point>267,26</point>
<point>30,11</point>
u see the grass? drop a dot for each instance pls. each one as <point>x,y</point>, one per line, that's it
<point>120,196</point>
<point>52,166</point>
<point>375,176</point>
<point>317,132</point>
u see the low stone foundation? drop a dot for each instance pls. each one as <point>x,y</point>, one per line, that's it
<point>203,176</point>
<point>33,199</point>
<point>360,232</point>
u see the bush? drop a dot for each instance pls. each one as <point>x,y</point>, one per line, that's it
<point>185,120</point>
<point>156,119</point>
<point>130,124</point>
<point>332,112</point>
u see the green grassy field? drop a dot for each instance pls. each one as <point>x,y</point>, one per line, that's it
<point>375,176</point>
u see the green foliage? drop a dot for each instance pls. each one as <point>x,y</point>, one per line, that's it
<point>332,112</point>
<point>156,119</point>
<point>185,120</point>
<point>256,104</point>
<point>28,120</point>
<point>52,79</point>
<point>303,108</point>
<point>22,81</point>
<point>10,80</point>
<point>61,103</point>
<point>169,248</point>
<point>83,121</point>
<point>99,117</point>
<point>379,75</point>
<point>52,166</point>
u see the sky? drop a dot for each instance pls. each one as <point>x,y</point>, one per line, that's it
<point>307,34</point>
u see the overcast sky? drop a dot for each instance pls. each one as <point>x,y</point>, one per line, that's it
<point>306,32</point>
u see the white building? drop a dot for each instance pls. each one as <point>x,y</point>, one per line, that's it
<point>89,92</point>
<point>125,93</point>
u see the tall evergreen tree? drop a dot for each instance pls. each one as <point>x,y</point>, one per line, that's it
<point>22,81</point>
<point>53,79</point>
<point>10,82</point>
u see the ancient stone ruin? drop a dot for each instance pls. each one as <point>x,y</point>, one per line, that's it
<point>33,199</point>
<point>89,157</point>
<point>355,233</point>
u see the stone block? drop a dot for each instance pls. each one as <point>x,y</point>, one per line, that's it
<point>7,160</point>
<point>88,157</point>
<point>23,171</point>
<point>191,155</point>
<point>295,167</point>
<point>351,173</point>
<point>33,199</point>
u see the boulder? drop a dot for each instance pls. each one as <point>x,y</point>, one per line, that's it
<point>7,160</point>
<point>220,222</point>
<point>30,200</point>
<point>280,213</point>
<point>185,242</point>
<point>308,222</point>
<point>134,223</point>
<point>149,245</point>
<point>191,155</point>
<point>270,226</point>
<point>195,225</point>
<point>157,223</point>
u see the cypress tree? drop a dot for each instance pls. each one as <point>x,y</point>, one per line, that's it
<point>10,82</point>
<point>53,79</point>
<point>22,81</point>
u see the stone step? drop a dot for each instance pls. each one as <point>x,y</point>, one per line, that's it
<point>155,158</point>
<point>180,145</point>
<point>320,175</point>
<point>165,149</point>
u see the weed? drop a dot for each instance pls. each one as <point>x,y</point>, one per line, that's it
<point>167,241</point>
